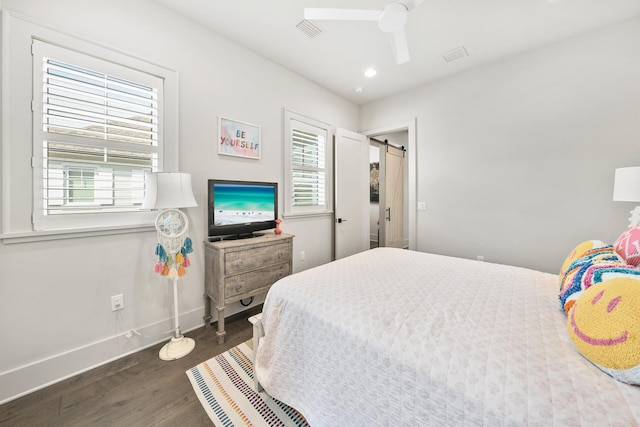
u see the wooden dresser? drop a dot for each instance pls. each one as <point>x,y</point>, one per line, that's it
<point>242,268</point>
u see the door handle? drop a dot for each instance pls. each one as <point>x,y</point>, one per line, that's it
<point>389,214</point>
<point>340,220</point>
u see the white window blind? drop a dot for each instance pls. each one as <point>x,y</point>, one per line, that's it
<point>308,168</point>
<point>100,131</point>
<point>98,109</point>
<point>307,177</point>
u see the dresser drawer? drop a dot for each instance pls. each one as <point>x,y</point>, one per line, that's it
<point>249,259</point>
<point>247,282</point>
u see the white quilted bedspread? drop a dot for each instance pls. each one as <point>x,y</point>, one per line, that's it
<point>391,337</point>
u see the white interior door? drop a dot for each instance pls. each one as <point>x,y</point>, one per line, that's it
<point>351,193</point>
<point>394,198</point>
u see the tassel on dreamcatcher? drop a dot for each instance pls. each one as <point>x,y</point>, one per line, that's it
<point>181,260</point>
<point>162,260</point>
<point>187,248</point>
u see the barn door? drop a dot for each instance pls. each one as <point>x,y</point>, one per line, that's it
<point>394,198</point>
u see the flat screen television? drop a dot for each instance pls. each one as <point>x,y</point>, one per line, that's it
<point>238,209</point>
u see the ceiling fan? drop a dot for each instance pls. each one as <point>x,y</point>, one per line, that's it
<point>391,20</point>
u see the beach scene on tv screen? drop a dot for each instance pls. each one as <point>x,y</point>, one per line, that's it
<point>240,204</point>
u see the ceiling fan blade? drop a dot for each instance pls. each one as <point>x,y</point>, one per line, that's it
<point>399,46</point>
<point>410,3</point>
<point>341,14</point>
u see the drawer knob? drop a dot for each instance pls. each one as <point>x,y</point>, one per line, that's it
<point>279,255</point>
<point>238,287</point>
<point>279,276</point>
<point>239,263</point>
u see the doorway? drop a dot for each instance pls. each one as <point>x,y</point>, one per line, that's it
<point>410,172</point>
<point>351,191</point>
<point>388,201</point>
<point>374,194</point>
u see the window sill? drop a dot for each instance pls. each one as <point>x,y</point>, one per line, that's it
<point>40,236</point>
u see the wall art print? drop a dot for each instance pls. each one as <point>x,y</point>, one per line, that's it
<point>238,139</point>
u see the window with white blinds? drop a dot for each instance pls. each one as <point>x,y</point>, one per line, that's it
<point>97,130</point>
<point>307,176</point>
<point>308,168</point>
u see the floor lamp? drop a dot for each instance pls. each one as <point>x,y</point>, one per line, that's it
<point>169,191</point>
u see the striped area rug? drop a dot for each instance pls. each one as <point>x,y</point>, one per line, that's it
<point>224,386</point>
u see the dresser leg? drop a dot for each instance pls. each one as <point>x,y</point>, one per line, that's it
<point>221,332</point>
<point>207,310</point>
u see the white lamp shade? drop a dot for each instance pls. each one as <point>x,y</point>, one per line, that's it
<point>168,190</point>
<point>626,185</point>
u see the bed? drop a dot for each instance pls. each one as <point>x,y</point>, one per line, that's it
<point>393,337</point>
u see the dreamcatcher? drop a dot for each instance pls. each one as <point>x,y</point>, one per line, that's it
<point>173,244</point>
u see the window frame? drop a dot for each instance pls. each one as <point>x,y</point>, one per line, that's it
<point>66,219</point>
<point>16,151</point>
<point>306,211</point>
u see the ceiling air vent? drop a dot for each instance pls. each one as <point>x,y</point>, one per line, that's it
<point>455,54</point>
<point>309,28</point>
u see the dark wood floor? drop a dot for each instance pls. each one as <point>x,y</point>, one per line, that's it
<point>137,390</point>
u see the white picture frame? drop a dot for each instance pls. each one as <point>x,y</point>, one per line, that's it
<point>239,139</point>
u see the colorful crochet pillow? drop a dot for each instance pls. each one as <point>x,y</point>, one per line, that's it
<point>589,274</point>
<point>579,275</point>
<point>577,252</point>
<point>628,245</point>
<point>604,326</point>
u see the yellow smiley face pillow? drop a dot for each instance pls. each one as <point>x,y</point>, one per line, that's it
<point>577,271</point>
<point>604,325</point>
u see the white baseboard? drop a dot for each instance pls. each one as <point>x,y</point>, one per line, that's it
<point>26,379</point>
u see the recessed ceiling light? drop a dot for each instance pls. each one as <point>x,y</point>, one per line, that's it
<point>370,72</point>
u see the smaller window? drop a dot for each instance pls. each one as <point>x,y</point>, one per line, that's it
<point>307,174</point>
<point>81,189</point>
<point>81,179</point>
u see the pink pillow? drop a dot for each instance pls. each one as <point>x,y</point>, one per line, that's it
<point>628,246</point>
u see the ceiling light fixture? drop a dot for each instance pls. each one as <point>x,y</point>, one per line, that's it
<point>391,20</point>
<point>370,72</point>
<point>359,89</point>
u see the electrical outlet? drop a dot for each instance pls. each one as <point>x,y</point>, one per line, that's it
<point>480,257</point>
<point>422,206</point>
<point>302,256</point>
<point>117,302</point>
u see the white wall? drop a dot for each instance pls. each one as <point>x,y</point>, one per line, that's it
<point>516,159</point>
<point>55,295</point>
